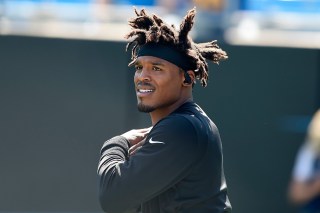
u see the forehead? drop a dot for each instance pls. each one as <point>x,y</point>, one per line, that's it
<point>154,61</point>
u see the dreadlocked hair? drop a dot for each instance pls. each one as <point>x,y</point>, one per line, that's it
<point>152,29</point>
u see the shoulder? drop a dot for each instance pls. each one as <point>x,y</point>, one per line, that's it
<point>177,128</point>
<point>178,123</point>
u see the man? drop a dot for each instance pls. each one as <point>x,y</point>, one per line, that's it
<point>176,166</point>
<point>304,187</point>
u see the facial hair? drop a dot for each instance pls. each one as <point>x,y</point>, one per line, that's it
<point>145,108</point>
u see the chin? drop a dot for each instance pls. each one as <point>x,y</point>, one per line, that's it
<point>145,108</point>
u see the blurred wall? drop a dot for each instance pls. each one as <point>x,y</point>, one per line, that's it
<point>61,99</point>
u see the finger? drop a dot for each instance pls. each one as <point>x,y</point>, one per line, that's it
<point>134,147</point>
<point>135,151</point>
<point>131,151</point>
<point>146,129</point>
<point>142,135</point>
<point>140,143</point>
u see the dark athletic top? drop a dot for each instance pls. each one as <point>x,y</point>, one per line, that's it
<point>179,169</point>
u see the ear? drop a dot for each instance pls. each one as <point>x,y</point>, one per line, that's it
<point>189,78</point>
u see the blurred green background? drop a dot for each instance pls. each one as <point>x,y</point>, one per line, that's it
<point>61,99</point>
<point>65,88</point>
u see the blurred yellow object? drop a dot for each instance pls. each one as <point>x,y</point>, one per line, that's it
<point>215,5</point>
<point>314,131</point>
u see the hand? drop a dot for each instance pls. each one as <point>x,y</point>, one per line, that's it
<point>136,147</point>
<point>136,135</point>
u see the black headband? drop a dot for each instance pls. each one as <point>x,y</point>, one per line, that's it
<point>167,53</point>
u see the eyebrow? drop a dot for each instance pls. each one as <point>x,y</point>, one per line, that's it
<point>157,63</point>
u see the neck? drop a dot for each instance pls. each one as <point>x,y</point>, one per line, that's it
<point>159,114</point>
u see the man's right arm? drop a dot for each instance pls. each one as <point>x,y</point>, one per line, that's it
<point>115,152</point>
<point>171,150</point>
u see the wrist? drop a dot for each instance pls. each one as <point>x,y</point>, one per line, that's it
<point>126,140</point>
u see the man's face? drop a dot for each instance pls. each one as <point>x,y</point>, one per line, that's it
<point>158,83</point>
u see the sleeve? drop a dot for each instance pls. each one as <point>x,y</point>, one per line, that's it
<point>302,170</point>
<point>167,156</point>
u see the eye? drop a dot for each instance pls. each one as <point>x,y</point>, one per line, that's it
<point>156,69</point>
<point>138,67</point>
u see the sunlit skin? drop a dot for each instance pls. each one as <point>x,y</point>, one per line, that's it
<point>160,87</point>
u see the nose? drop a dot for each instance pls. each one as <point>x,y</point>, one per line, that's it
<point>142,75</point>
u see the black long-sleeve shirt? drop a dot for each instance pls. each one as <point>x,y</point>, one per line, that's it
<point>179,169</point>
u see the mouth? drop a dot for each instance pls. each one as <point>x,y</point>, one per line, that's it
<point>143,91</point>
